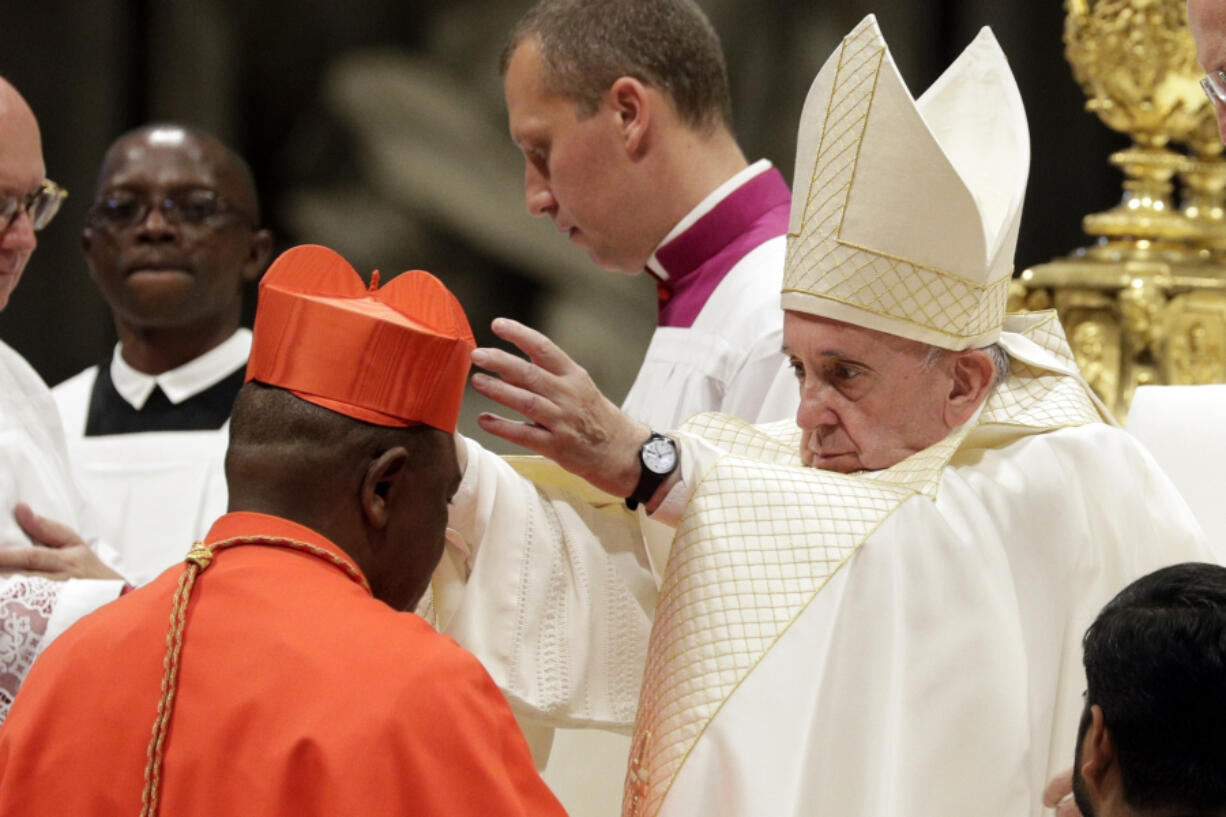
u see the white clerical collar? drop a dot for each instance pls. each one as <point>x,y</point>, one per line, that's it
<point>705,206</point>
<point>185,381</point>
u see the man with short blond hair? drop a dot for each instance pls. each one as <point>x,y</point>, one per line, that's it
<point>623,114</point>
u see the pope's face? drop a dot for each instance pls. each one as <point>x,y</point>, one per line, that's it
<point>1207,20</point>
<point>576,170</point>
<point>867,399</point>
<point>21,172</point>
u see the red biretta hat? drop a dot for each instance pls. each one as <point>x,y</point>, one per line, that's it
<point>395,356</point>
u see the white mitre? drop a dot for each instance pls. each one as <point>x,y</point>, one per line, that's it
<point>905,212</point>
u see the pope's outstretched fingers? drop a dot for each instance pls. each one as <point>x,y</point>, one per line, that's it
<point>572,423</point>
<point>540,349</point>
<point>529,435</point>
<point>535,406</point>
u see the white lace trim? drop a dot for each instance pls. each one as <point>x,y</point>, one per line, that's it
<point>26,604</point>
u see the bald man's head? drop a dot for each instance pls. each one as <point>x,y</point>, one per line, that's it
<point>21,173</point>
<point>174,232</point>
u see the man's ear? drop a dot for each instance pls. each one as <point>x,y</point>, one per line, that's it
<point>1097,753</point>
<point>971,379</point>
<point>257,257</point>
<point>631,101</point>
<point>381,477</point>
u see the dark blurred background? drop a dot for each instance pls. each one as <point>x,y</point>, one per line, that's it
<point>377,127</point>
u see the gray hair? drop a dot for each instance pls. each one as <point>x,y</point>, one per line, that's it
<point>586,45</point>
<point>994,351</point>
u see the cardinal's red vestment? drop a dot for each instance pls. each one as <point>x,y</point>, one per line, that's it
<point>298,694</point>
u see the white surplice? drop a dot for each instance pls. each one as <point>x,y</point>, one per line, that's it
<point>902,642</point>
<point>730,358</point>
<point>34,469</point>
<point>155,492</point>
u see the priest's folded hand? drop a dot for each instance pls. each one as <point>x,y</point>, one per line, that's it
<point>568,419</point>
<point>58,553</point>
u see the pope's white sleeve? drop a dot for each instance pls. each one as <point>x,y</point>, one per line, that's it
<point>558,599</point>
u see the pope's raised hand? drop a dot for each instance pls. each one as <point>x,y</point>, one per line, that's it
<point>568,419</point>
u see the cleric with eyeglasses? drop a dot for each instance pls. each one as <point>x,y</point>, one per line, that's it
<point>39,205</point>
<point>71,580</point>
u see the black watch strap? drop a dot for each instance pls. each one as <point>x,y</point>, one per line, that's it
<point>650,479</point>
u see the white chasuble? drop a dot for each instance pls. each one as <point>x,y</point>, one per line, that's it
<point>897,642</point>
<point>902,642</point>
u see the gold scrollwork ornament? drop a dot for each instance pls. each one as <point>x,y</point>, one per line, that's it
<point>1146,301</point>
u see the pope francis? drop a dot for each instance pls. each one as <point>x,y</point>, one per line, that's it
<point>875,610</point>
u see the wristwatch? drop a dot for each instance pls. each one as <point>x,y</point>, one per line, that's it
<point>657,459</point>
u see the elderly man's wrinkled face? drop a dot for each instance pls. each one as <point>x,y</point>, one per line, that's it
<point>867,399</point>
<point>1207,20</point>
<point>21,172</point>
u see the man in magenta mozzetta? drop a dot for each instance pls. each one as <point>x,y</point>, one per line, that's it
<point>622,111</point>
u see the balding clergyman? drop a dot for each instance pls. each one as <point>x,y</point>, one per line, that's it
<point>34,468</point>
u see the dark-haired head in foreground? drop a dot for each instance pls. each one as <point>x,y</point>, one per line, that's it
<point>378,492</point>
<point>622,111</point>
<point>1152,739</point>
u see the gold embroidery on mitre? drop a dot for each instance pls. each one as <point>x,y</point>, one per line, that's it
<point>821,265</point>
<point>761,538</point>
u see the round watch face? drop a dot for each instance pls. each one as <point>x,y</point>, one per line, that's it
<point>659,456</point>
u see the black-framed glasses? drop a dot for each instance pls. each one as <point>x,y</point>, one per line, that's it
<point>40,205</point>
<point>125,208</point>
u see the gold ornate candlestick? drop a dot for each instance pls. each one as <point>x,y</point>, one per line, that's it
<point>1204,189</point>
<point>1146,303</point>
